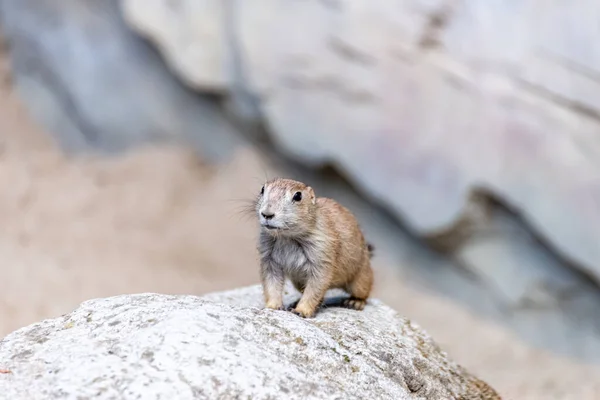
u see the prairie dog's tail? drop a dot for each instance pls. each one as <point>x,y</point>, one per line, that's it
<point>371,250</point>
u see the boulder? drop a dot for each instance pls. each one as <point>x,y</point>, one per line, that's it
<point>417,102</point>
<point>225,346</point>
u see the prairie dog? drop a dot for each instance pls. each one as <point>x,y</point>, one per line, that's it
<point>315,242</point>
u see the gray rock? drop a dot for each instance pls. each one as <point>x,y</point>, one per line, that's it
<point>418,102</point>
<point>206,64</point>
<point>97,86</point>
<point>226,346</point>
<point>546,303</point>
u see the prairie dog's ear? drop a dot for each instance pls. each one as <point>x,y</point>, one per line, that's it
<point>311,192</point>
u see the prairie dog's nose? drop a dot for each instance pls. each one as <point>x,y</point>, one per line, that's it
<point>267,214</point>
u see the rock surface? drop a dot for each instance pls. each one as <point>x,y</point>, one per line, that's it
<point>226,346</point>
<point>418,102</point>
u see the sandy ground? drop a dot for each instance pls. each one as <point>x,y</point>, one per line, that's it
<point>158,220</point>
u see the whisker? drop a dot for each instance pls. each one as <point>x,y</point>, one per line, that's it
<point>246,207</point>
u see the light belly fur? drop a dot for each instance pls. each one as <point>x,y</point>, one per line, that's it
<point>290,256</point>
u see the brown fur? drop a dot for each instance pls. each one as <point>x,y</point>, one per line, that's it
<point>316,243</point>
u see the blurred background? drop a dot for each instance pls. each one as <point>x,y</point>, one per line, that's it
<point>463,134</point>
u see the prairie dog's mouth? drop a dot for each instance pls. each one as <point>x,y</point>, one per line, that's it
<point>272,227</point>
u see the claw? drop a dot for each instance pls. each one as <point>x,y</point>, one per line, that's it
<point>301,314</point>
<point>354,304</point>
<point>272,307</point>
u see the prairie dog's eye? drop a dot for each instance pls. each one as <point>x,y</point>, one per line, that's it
<point>262,191</point>
<point>297,196</point>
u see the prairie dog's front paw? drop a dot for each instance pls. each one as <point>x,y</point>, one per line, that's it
<point>303,313</point>
<point>275,305</point>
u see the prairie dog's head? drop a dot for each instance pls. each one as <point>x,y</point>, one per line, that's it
<point>286,207</point>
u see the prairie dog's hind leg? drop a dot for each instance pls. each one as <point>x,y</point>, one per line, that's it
<point>359,289</point>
